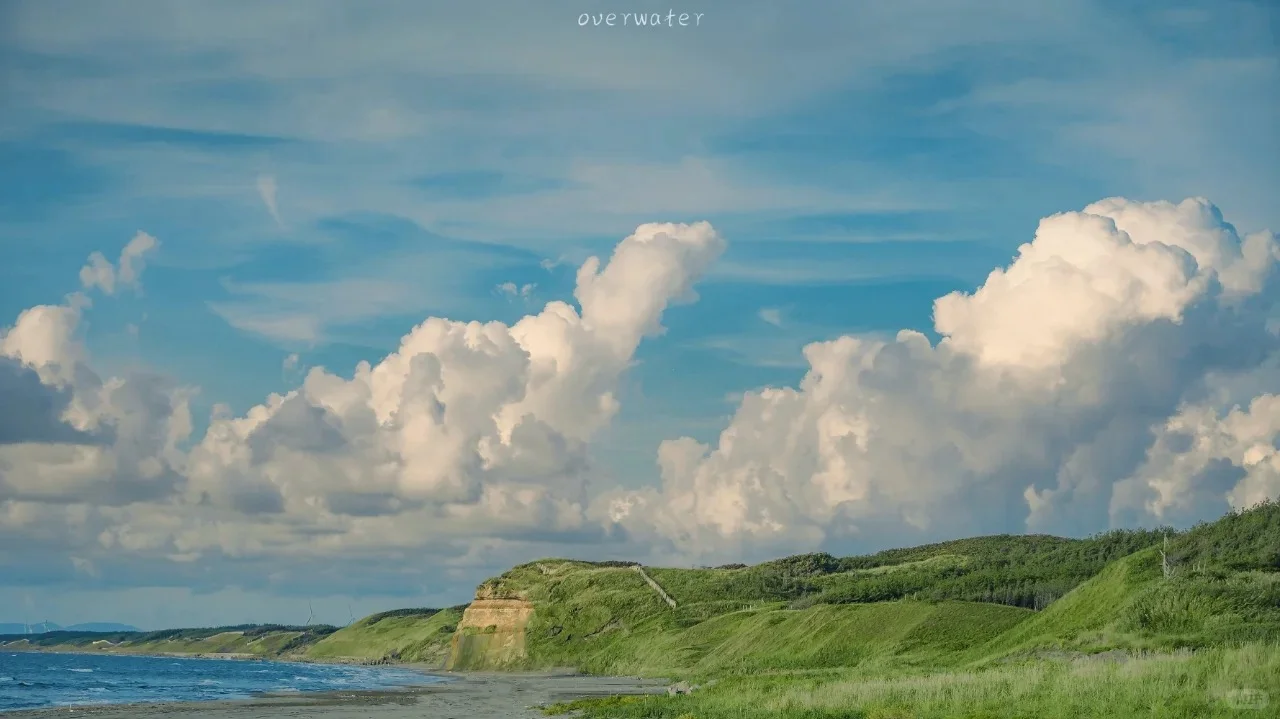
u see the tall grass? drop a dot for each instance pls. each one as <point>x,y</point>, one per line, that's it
<point>1241,681</point>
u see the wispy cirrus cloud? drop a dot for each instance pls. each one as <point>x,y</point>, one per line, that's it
<point>770,315</point>
<point>267,191</point>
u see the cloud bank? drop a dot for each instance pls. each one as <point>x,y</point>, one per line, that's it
<point>1113,374</point>
<point>1121,370</point>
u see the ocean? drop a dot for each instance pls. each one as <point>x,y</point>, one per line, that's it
<point>35,680</point>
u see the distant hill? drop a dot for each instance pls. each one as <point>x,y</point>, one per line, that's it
<point>246,640</point>
<point>46,627</point>
<point>101,627</point>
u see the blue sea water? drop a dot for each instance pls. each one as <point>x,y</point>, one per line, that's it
<point>35,680</point>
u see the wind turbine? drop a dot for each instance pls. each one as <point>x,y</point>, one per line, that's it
<point>350,614</point>
<point>311,614</point>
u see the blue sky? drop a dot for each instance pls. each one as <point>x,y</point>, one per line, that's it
<point>323,176</point>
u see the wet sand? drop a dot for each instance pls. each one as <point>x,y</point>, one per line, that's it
<point>463,696</point>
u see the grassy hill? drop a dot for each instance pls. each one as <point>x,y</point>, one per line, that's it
<point>1086,627</point>
<point>405,635</point>
<point>399,636</point>
<point>903,604</point>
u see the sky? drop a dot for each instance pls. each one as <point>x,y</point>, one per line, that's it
<point>353,305</point>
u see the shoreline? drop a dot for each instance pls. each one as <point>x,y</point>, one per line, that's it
<point>238,656</point>
<point>462,695</point>
<point>457,695</point>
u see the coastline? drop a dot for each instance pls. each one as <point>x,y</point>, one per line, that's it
<point>232,656</point>
<point>459,695</point>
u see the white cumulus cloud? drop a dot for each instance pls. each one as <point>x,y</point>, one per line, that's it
<point>120,436</point>
<point>467,429</point>
<point>1087,385</point>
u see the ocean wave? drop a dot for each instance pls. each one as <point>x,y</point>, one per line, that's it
<point>114,679</point>
<point>35,685</point>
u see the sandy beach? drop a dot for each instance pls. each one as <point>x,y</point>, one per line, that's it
<point>463,696</point>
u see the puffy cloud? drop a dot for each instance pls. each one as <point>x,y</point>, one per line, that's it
<point>1093,382</point>
<point>512,290</point>
<point>33,410</point>
<point>127,272</point>
<point>1204,457</point>
<point>467,429</point>
<point>81,438</point>
<point>44,338</point>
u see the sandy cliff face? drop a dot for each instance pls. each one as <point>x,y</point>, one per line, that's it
<point>491,634</point>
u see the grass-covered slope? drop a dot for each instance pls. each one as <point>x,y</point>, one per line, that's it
<point>1222,587</point>
<point>252,640</point>
<point>805,612</point>
<point>400,636</point>
<point>1187,629</point>
<point>607,620</point>
<point>415,635</point>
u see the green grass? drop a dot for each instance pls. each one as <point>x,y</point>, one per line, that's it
<point>1212,683</point>
<point>420,636</point>
<point>769,638</point>
<point>608,621</point>
<point>1128,640</point>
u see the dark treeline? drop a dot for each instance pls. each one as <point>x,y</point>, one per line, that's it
<point>1241,541</point>
<point>417,612</point>
<point>1028,571</point>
